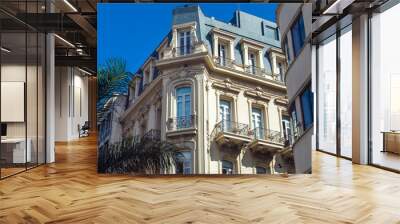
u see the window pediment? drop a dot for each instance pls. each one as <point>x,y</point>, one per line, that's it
<point>227,86</point>
<point>257,93</point>
<point>252,44</point>
<point>223,34</point>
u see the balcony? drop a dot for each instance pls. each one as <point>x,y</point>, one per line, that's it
<point>152,135</point>
<point>181,125</point>
<point>224,62</point>
<point>182,50</point>
<point>254,70</point>
<point>265,140</point>
<point>231,133</point>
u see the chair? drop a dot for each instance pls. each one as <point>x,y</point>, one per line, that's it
<point>84,130</point>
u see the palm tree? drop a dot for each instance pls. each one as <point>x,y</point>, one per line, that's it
<point>112,79</point>
<point>137,157</point>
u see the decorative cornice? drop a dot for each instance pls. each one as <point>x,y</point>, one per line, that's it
<point>184,25</point>
<point>223,33</point>
<point>227,85</point>
<point>252,43</point>
<point>257,93</point>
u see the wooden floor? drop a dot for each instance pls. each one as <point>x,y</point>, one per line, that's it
<point>70,191</point>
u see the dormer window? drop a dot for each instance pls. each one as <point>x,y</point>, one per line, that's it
<point>223,49</point>
<point>184,40</point>
<point>146,77</point>
<point>222,54</point>
<point>253,60</point>
<point>184,43</point>
<point>278,64</point>
<point>252,63</point>
<point>280,71</point>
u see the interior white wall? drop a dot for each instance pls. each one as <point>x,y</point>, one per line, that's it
<point>70,82</point>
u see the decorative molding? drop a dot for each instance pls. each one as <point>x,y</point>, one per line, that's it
<point>184,25</point>
<point>253,44</point>
<point>257,94</point>
<point>182,72</point>
<point>223,34</point>
<point>227,85</point>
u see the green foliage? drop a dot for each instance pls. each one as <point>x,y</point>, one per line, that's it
<point>138,157</point>
<point>112,78</point>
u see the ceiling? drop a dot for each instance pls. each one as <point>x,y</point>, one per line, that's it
<point>73,21</point>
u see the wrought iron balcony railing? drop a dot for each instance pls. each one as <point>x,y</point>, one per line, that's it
<point>232,127</point>
<point>183,122</point>
<point>254,70</point>
<point>152,135</point>
<point>268,135</point>
<point>183,50</point>
<point>224,62</point>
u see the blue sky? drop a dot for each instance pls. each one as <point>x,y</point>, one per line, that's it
<point>133,31</point>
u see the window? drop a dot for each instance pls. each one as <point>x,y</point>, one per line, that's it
<point>260,170</point>
<point>184,43</point>
<point>298,35</point>
<point>385,89</point>
<point>222,54</point>
<point>257,122</point>
<point>252,63</point>
<point>146,78</point>
<point>227,167</point>
<point>345,82</point>
<point>183,106</point>
<point>286,48</point>
<point>183,162</point>
<point>225,114</point>
<point>293,121</point>
<point>131,92</point>
<point>307,107</point>
<point>286,127</point>
<point>280,71</point>
<point>141,86</point>
<point>327,95</point>
<point>276,33</point>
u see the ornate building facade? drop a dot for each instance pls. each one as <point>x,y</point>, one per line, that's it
<point>216,90</point>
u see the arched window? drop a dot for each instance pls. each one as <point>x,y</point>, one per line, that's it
<point>183,106</point>
<point>227,167</point>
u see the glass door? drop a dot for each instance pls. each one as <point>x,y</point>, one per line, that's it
<point>385,89</point>
<point>257,121</point>
<point>183,99</point>
<point>346,92</point>
<point>184,43</point>
<point>327,95</point>
<point>225,114</point>
<point>252,63</point>
<point>16,151</point>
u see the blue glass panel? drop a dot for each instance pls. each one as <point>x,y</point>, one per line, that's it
<point>187,105</point>
<point>307,107</point>
<point>298,35</point>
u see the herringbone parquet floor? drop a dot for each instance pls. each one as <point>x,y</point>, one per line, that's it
<point>70,191</point>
